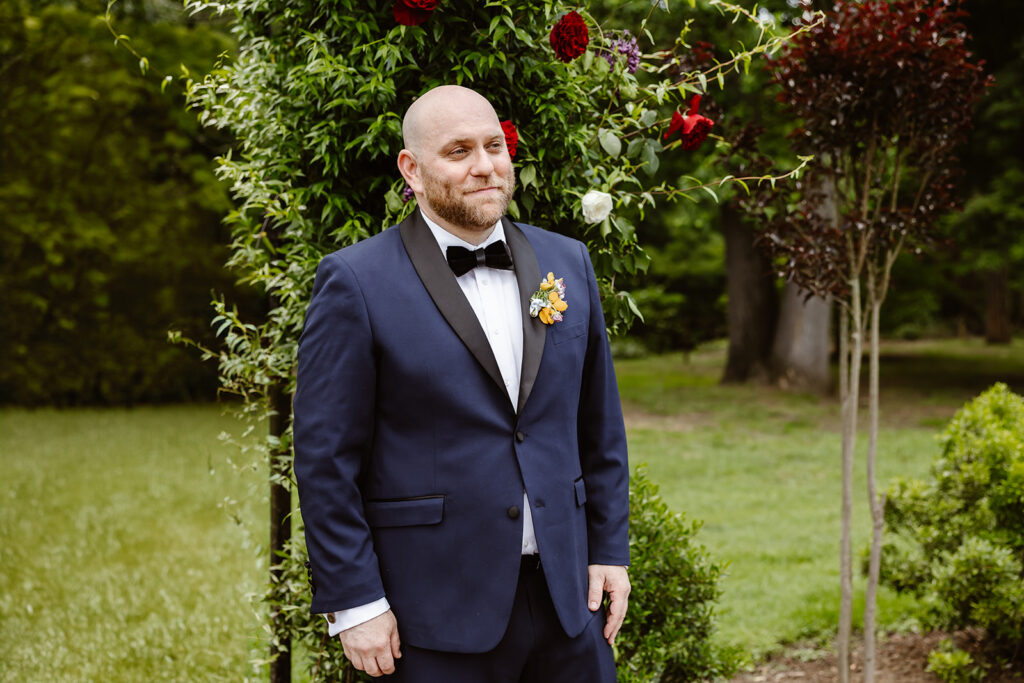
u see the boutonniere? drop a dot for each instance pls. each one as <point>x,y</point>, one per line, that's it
<point>548,302</point>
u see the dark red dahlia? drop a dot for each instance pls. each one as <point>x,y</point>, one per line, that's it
<point>693,128</point>
<point>704,52</point>
<point>511,137</point>
<point>569,37</point>
<point>413,12</point>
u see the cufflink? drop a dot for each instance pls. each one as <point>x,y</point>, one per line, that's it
<point>330,617</point>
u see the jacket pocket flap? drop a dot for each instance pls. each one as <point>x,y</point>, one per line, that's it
<point>581,492</point>
<point>562,332</point>
<point>406,512</point>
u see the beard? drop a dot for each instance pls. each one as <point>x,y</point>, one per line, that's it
<point>460,210</point>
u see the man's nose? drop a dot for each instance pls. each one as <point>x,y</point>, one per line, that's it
<point>482,163</point>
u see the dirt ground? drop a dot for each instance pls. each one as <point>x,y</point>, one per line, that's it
<point>902,658</point>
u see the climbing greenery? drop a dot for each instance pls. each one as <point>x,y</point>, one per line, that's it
<point>314,98</point>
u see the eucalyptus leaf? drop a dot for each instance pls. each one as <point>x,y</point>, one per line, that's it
<point>528,174</point>
<point>634,147</point>
<point>650,158</point>
<point>394,201</point>
<point>610,142</point>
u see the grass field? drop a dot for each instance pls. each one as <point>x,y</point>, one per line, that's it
<point>119,556</point>
<point>129,543</point>
<point>760,467</point>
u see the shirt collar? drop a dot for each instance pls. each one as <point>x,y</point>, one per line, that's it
<point>445,239</point>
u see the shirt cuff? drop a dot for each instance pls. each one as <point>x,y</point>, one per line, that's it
<point>345,619</point>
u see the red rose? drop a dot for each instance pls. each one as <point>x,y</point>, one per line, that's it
<point>511,137</point>
<point>693,127</point>
<point>569,37</point>
<point>413,12</point>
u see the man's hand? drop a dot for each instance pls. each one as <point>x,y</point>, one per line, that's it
<point>373,646</point>
<point>615,581</point>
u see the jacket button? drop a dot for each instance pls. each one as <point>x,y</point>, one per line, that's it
<point>520,437</point>
<point>513,512</point>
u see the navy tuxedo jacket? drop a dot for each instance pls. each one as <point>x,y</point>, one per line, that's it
<point>410,457</point>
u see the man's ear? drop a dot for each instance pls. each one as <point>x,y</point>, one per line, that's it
<point>410,170</point>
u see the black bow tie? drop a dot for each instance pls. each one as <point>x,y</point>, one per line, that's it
<point>463,260</point>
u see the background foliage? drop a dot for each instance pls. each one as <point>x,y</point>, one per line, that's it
<point>106,244</point>
<point>110,229</point>
<point>863,90</point>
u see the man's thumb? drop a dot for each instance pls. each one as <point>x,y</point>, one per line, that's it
<point>396,645</point>
<point>594,594</point>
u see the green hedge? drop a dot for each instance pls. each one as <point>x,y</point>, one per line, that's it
<point>957,539</point>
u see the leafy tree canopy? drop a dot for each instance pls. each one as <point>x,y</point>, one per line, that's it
<point>110,224</point>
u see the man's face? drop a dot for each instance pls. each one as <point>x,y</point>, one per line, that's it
<point>464,167</point>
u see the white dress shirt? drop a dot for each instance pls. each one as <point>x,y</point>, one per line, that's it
<point>494,296</point>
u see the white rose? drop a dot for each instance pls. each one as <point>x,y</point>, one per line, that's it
<point>596,206</point>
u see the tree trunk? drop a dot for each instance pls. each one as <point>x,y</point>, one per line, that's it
<point>1018,312</point>
<point>800,352</point>
<point>752,302</point>
<point>877,504</point>
<point>844,352</point>
<point>998,329</point>
<point>854,345</point>
<point>280,534</point>
<point>280,404</point>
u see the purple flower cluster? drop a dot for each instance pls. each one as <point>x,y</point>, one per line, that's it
<point>625,45</point>
<point>407,194</point>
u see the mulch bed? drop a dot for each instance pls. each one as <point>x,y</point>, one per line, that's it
<point>901,658</point>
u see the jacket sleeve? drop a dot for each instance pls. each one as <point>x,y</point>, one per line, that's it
<point>602,441</point>
<point>333,434</point>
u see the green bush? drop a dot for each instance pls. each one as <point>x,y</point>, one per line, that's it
<point>957,540</point>
<point>953,665</point>
<point>668,629</point>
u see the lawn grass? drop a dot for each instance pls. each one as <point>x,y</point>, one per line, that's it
<point>761,468</point>
<point>121,557</point>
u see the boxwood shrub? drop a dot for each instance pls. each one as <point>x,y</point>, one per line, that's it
<point>957,539</point>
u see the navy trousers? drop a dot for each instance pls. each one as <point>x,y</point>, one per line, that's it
<point>534,648</point>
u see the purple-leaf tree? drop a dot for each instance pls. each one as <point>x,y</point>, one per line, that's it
<point>883,93</point>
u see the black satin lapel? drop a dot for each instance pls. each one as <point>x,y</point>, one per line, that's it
<point>440,282</point>
<point>534,331</point>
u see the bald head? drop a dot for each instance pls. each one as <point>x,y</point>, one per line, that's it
<point>438,110</point>
<point>456,161</point>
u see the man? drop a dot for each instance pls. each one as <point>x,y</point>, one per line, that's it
<point>462,464</point>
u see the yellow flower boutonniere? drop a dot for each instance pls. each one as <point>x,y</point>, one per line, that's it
<point>548,302</point>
